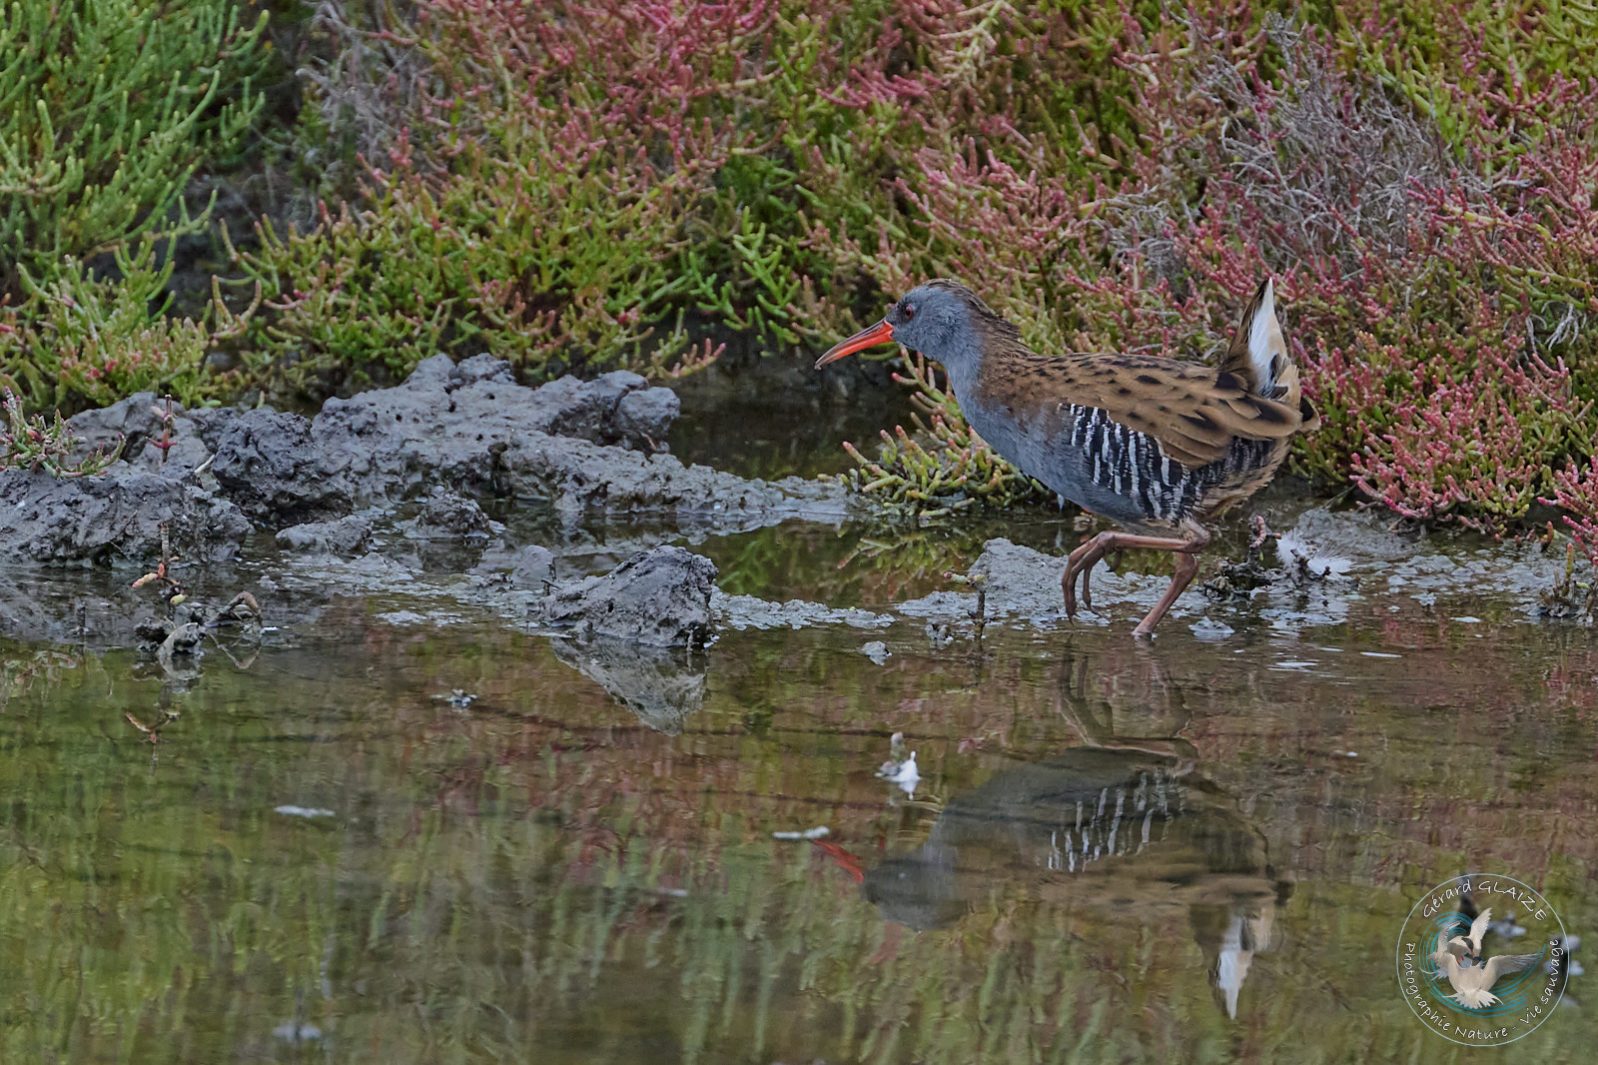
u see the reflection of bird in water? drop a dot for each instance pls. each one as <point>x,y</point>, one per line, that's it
<point>1247,933</point>
<point>1458,959</point>
<point>1111,832</point>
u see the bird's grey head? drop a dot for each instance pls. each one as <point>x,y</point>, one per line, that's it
<point>942,320</point>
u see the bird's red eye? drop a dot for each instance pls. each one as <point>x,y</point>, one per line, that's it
<point>907,311</point>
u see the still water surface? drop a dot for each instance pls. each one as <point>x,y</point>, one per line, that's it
<point>1195,850</point>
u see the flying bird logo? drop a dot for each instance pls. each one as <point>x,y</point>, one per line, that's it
<point>1459,960</point>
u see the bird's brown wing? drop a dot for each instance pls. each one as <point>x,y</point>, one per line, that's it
<point>1194,411</point>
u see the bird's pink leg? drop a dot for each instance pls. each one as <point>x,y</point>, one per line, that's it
<point>1082,560</point>
<point>1089,550</point>
<point>1186,567</point>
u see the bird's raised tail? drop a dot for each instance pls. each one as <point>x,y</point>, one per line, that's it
<point>1258,355</point>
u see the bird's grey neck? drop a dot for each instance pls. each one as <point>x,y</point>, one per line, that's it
<point>963,379</point>
<point>963,361</point>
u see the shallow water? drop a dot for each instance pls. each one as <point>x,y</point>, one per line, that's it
<point>327,857</point>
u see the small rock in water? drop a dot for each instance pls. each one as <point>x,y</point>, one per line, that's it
<point>534,568</point>
<point>1205,629</point>
<point>298,1033</point>
<point>900,768</point>
<point>877,651</point>
<point>660,597</point>
<point>446,512</point>
<point>302,811</point>
<point>819,832</point>
<point>344,536</point>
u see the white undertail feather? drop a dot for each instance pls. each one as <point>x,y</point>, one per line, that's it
<point>1475,998</point>
<point>1265,343</point>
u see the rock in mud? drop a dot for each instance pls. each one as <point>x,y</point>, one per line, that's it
<point>877,651</point>
<point>659,597</point>
<point>580,444</point>
<point>530,568</point>
<point>114,516</point>
<point>618,408</point>
<point>447,513</point>
<point>343,536</point>
<point>451,424</point>
<point>269,463</point>
<point>584,445</point>
<point>1018,580</point>
<point>534,567</point>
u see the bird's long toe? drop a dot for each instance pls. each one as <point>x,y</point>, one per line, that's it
<point>1068,581</point>
<point>1090,560</point>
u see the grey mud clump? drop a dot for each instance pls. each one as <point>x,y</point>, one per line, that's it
<point>659,597</point>
<point>342,536</point>
<point>116,515</point>
<point>265,461</point>
<point>529,568</point>
<point>210,474</point>
<point>448,514</point>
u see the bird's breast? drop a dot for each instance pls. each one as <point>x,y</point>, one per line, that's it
<point>1085,456</point>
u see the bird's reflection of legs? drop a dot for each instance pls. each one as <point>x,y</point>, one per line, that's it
<point>1073,705</point>
<point>1232,934</point>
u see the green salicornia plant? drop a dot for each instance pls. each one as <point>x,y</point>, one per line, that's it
<point>107,108</point>
<point>36,443</point>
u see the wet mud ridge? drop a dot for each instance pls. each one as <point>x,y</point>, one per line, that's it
<point>384,494</point>
<point>581,445</point>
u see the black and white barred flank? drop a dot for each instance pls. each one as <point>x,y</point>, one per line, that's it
<point>1134,466</point>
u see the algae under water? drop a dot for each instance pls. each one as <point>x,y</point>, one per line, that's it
<point>390,837</point>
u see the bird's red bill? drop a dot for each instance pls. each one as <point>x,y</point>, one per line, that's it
<point>880,333</point>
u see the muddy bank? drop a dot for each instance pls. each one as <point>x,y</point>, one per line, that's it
<point>462,495</point>
<point>645,627</point>
<point>1310,574</point>
<point>443,558</point>
<point>212,475</point>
